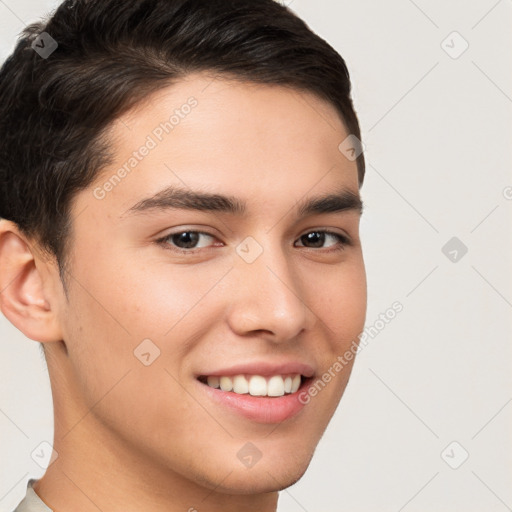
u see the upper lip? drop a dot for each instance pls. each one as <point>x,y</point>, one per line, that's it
<point>263,368</point>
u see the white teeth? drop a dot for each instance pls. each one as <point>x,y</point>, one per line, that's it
<point>275,386</point>
<point>240,385</point>
<point>288,385</point>
<point>295,383</point>
<point>256,385</point>
<point>226,384</point>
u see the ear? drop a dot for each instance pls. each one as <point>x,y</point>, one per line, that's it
<point>26,297</point>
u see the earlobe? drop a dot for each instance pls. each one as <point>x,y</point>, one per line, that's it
<point>23,298</point>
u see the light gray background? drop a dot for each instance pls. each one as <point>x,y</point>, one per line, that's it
<point>437,131</point>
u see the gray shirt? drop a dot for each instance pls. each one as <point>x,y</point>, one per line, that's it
<point>32,502</point>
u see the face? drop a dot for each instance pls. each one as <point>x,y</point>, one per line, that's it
<point>227,254</point>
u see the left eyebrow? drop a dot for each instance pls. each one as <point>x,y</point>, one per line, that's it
<point>345,200</point>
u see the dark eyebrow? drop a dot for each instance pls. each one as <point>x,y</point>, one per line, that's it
<point>345,200</point>
<point>173,197</point>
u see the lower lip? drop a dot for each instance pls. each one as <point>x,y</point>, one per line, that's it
<point>259,409</point>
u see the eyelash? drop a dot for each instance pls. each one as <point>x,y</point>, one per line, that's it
<point>343,241</point>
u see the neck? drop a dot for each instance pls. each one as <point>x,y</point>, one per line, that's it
<point>93,471</point>
<point>96,469</point>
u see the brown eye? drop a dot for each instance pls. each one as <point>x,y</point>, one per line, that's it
<point>322,239</point>
<point>313,239</point>
<point>188,240</point>
<point>185,240</point>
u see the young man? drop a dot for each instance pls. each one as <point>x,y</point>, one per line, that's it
<point>180,215</point>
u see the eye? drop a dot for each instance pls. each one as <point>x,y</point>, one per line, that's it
<point>323,239</point>
<point>187,240</point>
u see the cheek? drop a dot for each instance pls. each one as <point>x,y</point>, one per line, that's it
<point>112,312</point>
<point>339,299</point>
<point>145,298</point>
<point>169,302</point>
<point>115,306</point>
<point>339,302</point>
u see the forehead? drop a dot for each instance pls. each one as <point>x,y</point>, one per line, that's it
<point>224,136</point>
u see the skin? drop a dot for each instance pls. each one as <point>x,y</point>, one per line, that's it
<point>131,437</point>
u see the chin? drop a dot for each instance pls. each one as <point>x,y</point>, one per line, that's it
<point>264,478</point>
<point>259,483</point>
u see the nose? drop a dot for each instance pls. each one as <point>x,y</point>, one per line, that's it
<point>268,299</point>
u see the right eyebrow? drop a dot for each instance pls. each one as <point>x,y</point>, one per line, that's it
<point>174,197</point>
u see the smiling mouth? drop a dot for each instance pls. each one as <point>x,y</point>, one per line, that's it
<point>255,385</point>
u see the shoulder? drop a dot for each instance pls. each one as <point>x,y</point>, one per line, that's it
<point>32,502</point>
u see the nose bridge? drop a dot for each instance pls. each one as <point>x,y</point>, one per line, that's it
<point>269,295</point>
